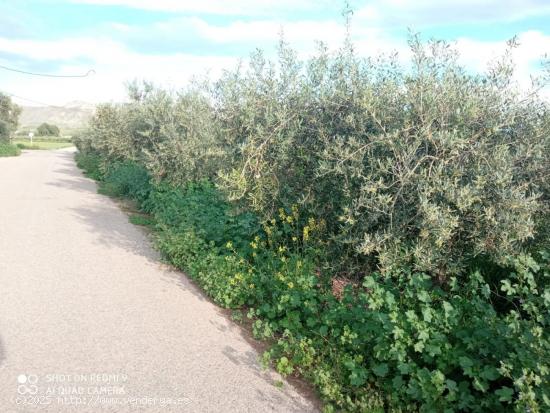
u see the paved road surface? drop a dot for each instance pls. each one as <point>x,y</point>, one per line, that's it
<point>89,315</point>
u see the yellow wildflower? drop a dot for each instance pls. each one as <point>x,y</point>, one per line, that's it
<point>306,233</point>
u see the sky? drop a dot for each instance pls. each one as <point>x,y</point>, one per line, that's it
<point>169,41</point>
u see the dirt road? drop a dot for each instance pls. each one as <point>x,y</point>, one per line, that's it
<point>90,320</point>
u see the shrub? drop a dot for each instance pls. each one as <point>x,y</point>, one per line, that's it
<point>7,149</point>
<point>224,277</point>
<point>393,342</point>
<point>9,117</point>
<point>201,208</point>
<point>427,166</point>
<point>27,146</point>
<point>421,166</point>
<point>45,129</point>
<point>126,179</point>
<point>471,348</point>
<point>91,164</point>
<point>380,224</point>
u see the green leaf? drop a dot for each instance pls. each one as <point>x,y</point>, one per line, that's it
<point>380,369</point>
<point>465,362</point>
<point>505,394</point>
<point>424,297</point>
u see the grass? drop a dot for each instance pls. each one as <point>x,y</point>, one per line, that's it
<point>43,138</point>
<point>41,144</point>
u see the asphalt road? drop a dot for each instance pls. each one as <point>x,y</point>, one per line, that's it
<point>91,320</point>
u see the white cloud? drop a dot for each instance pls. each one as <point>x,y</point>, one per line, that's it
<point>419,13</point>
<point>221,7</point>
<point>63,49</point>
<point>269,31</point>
<point>113,63</point>
<point>245,34</point>
<point>533,45</point>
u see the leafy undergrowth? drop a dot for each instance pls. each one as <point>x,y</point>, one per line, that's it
<point>90,163</point>
<point>7,149</point>
<point>392,342</point>
<point>142,220</point>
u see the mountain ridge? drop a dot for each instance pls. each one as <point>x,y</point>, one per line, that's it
<point>73,115</point>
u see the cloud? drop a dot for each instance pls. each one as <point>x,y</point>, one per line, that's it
<point>238,36</point>
<point>113,54</point>
<point>113,63</point>
<point>218,7</point>
<point>419,13</point>
<point>533,46</point>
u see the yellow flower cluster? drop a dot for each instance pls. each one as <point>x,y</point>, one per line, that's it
<point>290,218</point>
<point>312,226</point>
<point>238,278</point>
<point>284,279</point>
<point>254,244</point>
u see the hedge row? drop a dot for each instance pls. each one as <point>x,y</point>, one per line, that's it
<point>383,226</point>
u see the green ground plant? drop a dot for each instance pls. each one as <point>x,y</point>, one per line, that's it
<point>7,149</point>
<point>90,163</point>
<point>384,227</point>
<point>42,144</point>
<point>126,179</point>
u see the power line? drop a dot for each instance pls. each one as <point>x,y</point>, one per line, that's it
<point>88,73</point>
<point>28,100</point>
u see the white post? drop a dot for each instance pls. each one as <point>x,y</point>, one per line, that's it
<point>30,136</point>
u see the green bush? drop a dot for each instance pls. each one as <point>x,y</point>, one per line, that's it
<point>91,163</point>
<point>7,149</point>
<point>9,117</point>
<point>26,146</point>
<point>472,347</point>
<point>224,277</point>
<point>45,129</point>
<point>126,179</point>
<point>427,166</point>
<point>201,208</point>
<point>420,166</point>
<point>394,342</point>
<point>380,224</point>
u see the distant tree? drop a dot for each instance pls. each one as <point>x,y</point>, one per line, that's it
<point>9,116</point>
<point>47,130</point>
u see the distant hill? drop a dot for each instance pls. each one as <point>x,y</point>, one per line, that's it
<point>70,117</point>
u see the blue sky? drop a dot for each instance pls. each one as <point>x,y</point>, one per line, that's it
<point>168,41</point>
